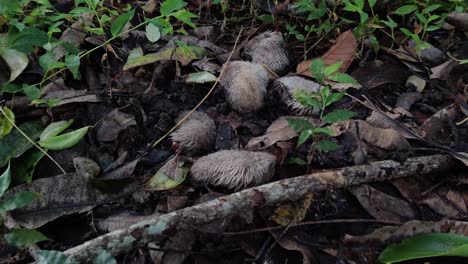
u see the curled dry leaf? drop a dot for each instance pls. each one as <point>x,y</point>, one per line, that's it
<point>234,169</point>
<point>278,131</point>
<point>245,85</point>
<point>112,124</point>
<point>376,73</point>
<point>343,50</point>
<point>437,127</point>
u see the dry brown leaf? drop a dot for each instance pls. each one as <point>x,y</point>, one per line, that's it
<point>279,130</point>
<point>446,200</point>
<point>383,206</point>
<point>343,50</point>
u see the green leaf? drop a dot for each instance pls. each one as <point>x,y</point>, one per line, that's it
<point>14,144</point>
<point>295,160</point>
<point>201,77</point>
<point>326,145</point>
<point>305,99</point>
<point>51,257</point>
<point>185,16</point>
<point>152,32</point>
<point>26,40</point>
<point>299,124</point>
<point>105,258</point>
<point>303,136</point>
<point>17,61</point>
<point>72,62</point>
<point>390,23</point>
<point>334,97</point>
<point>177,54</point>
<point>317,67</point>
<point>161,181</point>
<point>5,180</point>
<point>170,6</point>
<point>18,200</point>
<point>426,245</point>
<point>430,8</point>
<point>31,91</point>
<point>338,115</point>
<point>64,141</point>
<point>9,8</point>
<point>432,28</point>
<point>24,237</point>
<point>421,18</point>
<point>406,9</point>
<point>332,68</point>
<point>432,18</point>
<point>47,60</point>
<point>323,130</point>
<point>120,23</point>
<point>11,88</point>
<point>55,128</point>
<point>342,78</point>
<point>97,31</point>
<point>7,119</point>
<point>23,166</point>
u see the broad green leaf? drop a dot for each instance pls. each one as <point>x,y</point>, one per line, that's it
<point>24,237</point>
<point>332,68</point>
<point>17,61</point>
<point>31,91</point>
<point>334,97</point>
<point>18,200</point>
<point>120,23</point>
<point>342,78</point>
<point>317,67</point>
<point>161,181</point>
<point>425,246</point>
<point>299,124</point>
<point>406,9</point>
<point>177,54</point>
<point>64,141</point>
<point>201,77</point>
<point>5,180</point>
<point>14,144</point>
<point>303,136</point>
<point>23,166</point>
<point>323,130</point>
<point>7,119</point>
<point>105,258</point>
<point>170,6</point>
<point>430,8</point>
<point>97,31</point>
<point>47,60</point>
<point>152,32</point>
<point>326,145</point>
<point>185,16</point>
<point>51,257</point>
<point>306,100</point>
<point>338,115</point>
<point>55,128</point>
<point>11,88</point>
<point>432,28</point>
<point>421,18</point>
<point>432,18</point>
<point>27,39</point>
<point>72,62</point>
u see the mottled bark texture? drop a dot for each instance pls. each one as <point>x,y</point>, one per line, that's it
<point>157,229</point>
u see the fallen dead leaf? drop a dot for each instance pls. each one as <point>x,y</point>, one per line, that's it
<point>343,50</point>
<point>383,206</point>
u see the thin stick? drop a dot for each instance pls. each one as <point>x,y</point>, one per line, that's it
<point>202,100</point>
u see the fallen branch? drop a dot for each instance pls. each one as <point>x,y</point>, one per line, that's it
<point>159,228</point>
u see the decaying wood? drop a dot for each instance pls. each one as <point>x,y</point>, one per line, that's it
<point>159,228</point>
